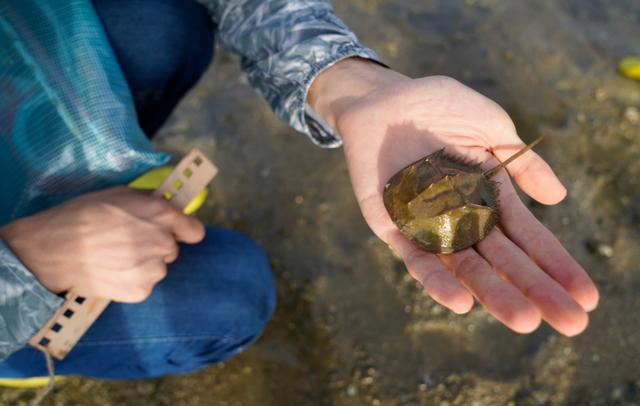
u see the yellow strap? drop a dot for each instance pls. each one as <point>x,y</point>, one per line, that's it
<point>153,179</point>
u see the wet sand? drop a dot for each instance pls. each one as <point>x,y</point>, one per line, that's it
<point>351,327</point>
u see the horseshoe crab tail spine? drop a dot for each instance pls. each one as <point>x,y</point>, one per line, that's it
<point>512,158</point>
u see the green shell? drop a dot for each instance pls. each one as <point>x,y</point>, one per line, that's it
<point>442,203</point>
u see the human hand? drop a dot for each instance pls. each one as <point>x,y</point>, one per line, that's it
<point>519,272</point>
<point>112,244</point>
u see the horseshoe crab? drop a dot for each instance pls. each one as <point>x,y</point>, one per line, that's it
<point>444,203</point>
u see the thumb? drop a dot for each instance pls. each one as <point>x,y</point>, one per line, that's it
<point>534,176</point>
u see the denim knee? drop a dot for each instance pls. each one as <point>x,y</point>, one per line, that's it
<point>251,290</point>
<point>239,300</point>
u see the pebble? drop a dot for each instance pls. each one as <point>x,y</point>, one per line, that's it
<point>146,390</point>
<point>299,199</point>
<point>541,398</point>
<point>392,48</point>
<point>436,310</point>
<point>428,380</point>
<point>325,207</point>
<point>352,390</point>
<point>632,114</point>
<point>605,250</point>
<point>617,393</point>
<point>599,248</point>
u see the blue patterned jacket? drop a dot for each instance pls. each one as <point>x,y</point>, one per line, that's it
<point>284,45</point>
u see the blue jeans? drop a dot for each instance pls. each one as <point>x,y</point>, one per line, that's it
<point>219,294</point>
<point>215,300</point>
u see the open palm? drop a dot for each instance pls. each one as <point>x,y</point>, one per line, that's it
<point>519,272</point>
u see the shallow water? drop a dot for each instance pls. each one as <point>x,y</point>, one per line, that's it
<point>351,327</point>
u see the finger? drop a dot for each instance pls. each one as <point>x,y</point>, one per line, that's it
<point>131,286</point>
<point>424,267</point>
<point>150,242</point>
<point>555,304</point>
<point>436,279</point>
<point>152,208</point>
<point>137,284</point>
<point>543,247</point>
<point>500,298</point>
<point>131,242</point>
<point>173,255</point>
<point>164,242</point>
<point>534,176</point>
<point>151,272</point>
<point>185,228</point>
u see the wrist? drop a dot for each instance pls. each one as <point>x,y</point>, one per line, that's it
<point>10,233</point>
<point>18,237</point>
<point>338,88</point>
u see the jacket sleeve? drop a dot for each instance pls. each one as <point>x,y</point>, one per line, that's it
<point>25,305</point>
<point>284,45</point>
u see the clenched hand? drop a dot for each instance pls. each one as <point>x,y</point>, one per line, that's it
<point>112,244</point>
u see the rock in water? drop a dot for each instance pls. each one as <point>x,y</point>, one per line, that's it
<point>443,203</point>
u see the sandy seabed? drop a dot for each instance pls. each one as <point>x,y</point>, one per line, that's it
<point>351,327</point>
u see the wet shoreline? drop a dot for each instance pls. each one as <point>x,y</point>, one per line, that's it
<point>351,327</point>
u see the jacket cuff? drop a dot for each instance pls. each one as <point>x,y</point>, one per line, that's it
<point>304,118</point>
<point>25,305</point>
<point>290,104</point>
<point>284,77</point>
